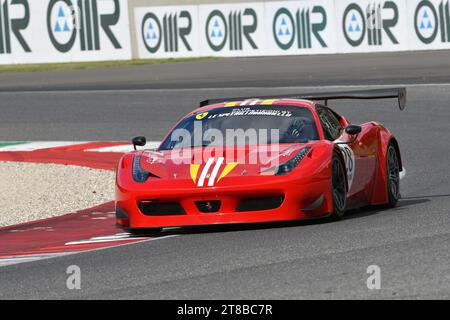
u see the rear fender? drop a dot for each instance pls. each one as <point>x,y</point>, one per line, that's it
<point>380,193</point>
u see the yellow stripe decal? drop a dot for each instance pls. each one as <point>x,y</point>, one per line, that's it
<point>194,171</point>
<point>228,168</point>
<point>268,102</point>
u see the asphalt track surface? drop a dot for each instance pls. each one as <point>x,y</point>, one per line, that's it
<point>411,243</point>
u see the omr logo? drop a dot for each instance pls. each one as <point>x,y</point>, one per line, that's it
<point>356,23</point>
<point>428,21</point>
<point>217,31</point>
<point>221,29</point>
<point>172,28</point>
<point>12,27</point>
<point>289,28</point>
<point>285,26</point>
<point>151,31</point>
<point>68,18</point>
<point>63,22</point>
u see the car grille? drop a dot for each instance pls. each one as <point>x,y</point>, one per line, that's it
<point>156,208</point>
<point>261,203</point>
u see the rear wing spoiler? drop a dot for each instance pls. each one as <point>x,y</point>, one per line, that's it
<point>392,93</point>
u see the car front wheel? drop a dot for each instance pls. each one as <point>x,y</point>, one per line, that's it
<point>338,188</point>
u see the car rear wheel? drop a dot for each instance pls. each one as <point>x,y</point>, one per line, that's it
<point>393,176</point>
<point>338,188</point>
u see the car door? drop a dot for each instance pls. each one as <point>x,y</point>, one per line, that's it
<point>359,169</point>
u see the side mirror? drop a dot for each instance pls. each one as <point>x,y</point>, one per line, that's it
<point>352,129</point>
<point>139,141</point>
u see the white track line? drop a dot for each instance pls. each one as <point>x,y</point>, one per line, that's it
<point>36,145</point>
<point>29,258</point>
<point>125,148</point>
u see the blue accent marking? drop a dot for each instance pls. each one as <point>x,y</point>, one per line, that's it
<point>150,26</point>
<point>216,23</point>
<point>280,32</point>
<point>422,25</point>
<point>350,28</point>
<point>57,27</point>
<point>220,35</point>
<point>425,14</point>
<point>66,27</point>
<point>61,13</point>
<point>283,22</point>
<point>213,34</point>
<point>353,17</point>
<point>429,26</point>
<point>154,36</point>
<point>358,29</point>
<point>287,33</point>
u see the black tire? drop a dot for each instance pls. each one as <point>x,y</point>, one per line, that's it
<point>338,188</point>
<point>145,232</point>
<point>393,176</point>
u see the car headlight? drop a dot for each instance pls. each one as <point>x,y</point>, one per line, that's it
<point>139,174</point>
<point>289,165</point>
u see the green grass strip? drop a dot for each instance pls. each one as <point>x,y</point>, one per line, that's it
<point>13,68</point>
<point>10,143</point>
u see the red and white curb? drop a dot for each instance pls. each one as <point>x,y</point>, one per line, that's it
<point>85,230</point>
<point>109,241</point>
<point>32,146</point>
<point>94,154</point>
<point>86,146</point>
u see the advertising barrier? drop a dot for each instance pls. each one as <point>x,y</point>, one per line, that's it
<point>236,30</point>
<point>300,27</point>
<point>368,26</point>
<point>304,27</point>
<point>92,30</point>
<point>63,30</point>
<point>167,32</point>
<point>429,24</point>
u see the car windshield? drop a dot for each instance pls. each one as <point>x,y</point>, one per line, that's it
<point>244,125</point>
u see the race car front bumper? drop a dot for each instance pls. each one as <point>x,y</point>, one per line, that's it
<point>269,200</point>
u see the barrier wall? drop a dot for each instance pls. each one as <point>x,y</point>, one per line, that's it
<point>39,31</point>
<point>292,27</point>
<point>86,30</point>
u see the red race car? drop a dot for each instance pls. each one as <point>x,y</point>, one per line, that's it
<point>249,160</point>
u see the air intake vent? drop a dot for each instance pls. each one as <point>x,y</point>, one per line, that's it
<point>258,204</point>
<point>156,208</point>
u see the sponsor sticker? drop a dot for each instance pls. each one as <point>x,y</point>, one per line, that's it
<point>349,159</point>
<point>368,25</point>
<point>170,31</point>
